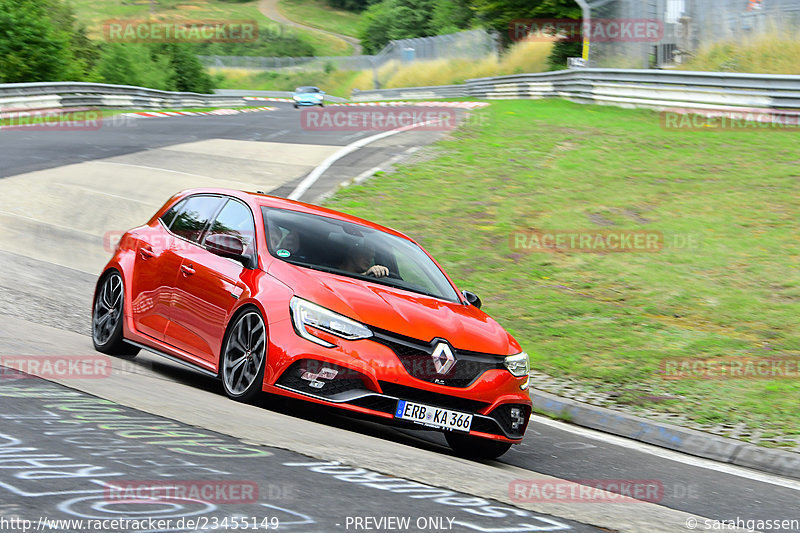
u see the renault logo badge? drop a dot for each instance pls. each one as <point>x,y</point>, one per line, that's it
<point>443,358</point>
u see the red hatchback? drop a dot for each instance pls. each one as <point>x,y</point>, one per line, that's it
<point>293,299</point>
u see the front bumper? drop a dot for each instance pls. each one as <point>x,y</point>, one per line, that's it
<point>370,379</point>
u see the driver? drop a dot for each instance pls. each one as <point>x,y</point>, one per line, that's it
<point>290,241</point>
<point>359,260</point>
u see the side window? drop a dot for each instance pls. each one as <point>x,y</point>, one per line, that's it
<point>236,220</point>
<point>169,216</point>
<point>191,222</point>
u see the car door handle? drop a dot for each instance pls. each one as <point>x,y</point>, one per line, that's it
<point>146,253</point>
<point>187,270</point>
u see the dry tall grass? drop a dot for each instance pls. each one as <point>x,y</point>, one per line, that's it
<point>775,52</point>
<point>527,56</point>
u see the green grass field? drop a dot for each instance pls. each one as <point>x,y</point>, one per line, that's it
<point>319,14</point>
<point>95,13</point>
<point>725,286</point>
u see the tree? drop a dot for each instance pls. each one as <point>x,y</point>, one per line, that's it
<point>190,75</point>
<point>499,14</point>
<point>404,19</point>
<point>136,64</point>
<point>351,5</point>
<point>36,42</point>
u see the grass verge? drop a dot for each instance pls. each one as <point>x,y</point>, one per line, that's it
<point>96,13</point>
<point>772,53</point>
<point>319,14</point>
<point>613,320</point>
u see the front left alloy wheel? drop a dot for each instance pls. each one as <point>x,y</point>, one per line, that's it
<point>107,317</point>
<point>243,357</point>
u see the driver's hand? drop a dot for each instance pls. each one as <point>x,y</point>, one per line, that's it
<point>379,271</point>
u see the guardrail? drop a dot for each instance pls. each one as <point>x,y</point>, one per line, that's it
<point>412,93</point>
<point>19,96</point>
<point>657,89</point>
<point>271,94</point>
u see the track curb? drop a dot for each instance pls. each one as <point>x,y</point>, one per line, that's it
<point>669,436</point>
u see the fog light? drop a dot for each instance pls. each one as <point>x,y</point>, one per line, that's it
<point>517,418</point>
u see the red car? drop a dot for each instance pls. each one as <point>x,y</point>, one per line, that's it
<point>294,299</point>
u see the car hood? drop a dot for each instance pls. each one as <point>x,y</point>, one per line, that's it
<point>399,311</point>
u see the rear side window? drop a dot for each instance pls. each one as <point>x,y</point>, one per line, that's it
<point>193,218</point>
<point>168,217</point>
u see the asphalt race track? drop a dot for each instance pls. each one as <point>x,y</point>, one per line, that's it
<point>67,445</point>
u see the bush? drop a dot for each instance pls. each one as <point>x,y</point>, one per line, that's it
<point>40,40</point>
<point>168,67</point>
<point>561,51</point>
<point>404,19</point>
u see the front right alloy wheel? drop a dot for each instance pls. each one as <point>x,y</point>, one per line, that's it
<point>243,357</point>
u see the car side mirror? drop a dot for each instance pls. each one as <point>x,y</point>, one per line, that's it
<point>472,298</point>
<point>228,246</point>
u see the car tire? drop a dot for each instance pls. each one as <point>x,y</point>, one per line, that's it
<point>321,104</point>
<point>244,356</point>
<point>295,106</point>
<point>108,312</point>
<point>476,447</point>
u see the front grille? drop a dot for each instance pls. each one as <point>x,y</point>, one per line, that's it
<point>417,358</point>
<point>345,380</point>
<point>432,398</point>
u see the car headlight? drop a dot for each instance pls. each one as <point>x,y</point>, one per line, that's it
<point>295,97</point>
<point>305,313</point>
<point>518,364</point>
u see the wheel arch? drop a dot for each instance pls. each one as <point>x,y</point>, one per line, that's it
<point>249,305</point>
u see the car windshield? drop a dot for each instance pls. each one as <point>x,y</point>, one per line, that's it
<point>353,250</point>
<point>307,90</point>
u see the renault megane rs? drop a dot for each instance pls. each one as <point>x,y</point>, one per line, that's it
<point>292,299</point>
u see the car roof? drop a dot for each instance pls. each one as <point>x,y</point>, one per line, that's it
<point>260,199</point>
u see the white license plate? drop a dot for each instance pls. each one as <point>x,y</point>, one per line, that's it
<point>433,416</point>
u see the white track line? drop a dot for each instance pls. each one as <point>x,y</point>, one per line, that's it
<point>315,174</point>
<point>664,453</point>
<point>153,168</point>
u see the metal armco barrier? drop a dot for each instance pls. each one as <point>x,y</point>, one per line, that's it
<point>412,93</point>
<point>620,87</point>
<point>20,96</point>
